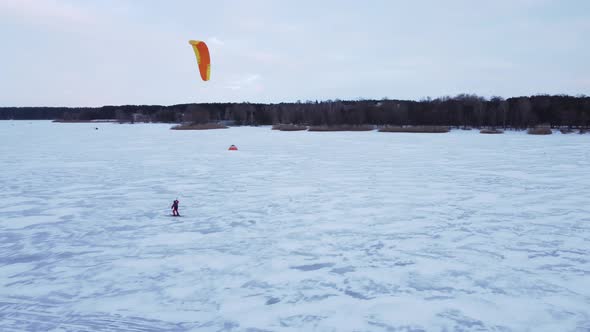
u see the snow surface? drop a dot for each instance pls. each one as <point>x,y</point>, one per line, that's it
<point>296,231</point>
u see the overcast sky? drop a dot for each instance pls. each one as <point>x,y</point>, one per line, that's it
<point>110,52</point>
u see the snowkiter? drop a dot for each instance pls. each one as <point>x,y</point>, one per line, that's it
<point>175,208</point>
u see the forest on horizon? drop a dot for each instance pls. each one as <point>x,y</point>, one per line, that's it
<point>459,111</point>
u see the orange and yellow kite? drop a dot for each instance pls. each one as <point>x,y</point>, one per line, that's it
<point>203,58</point>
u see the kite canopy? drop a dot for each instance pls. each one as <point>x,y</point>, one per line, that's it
<point>203,58</point>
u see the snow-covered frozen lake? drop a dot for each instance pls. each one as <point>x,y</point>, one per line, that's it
<point>296,231</point>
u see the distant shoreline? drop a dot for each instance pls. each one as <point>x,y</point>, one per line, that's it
<point>86,121</point>
<point>553,111</point>
<point>538,130</point>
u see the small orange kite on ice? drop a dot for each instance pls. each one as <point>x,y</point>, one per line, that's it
<point>203,58</point>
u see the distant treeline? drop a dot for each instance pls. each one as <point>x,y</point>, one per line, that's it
<point>458,111</point>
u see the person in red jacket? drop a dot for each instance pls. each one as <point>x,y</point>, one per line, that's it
<point>175,208</point>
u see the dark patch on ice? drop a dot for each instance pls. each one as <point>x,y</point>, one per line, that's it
<point>26,316</point>
<point>318,297</point>
<point>256,284</point>
<point>403,263</point>
<point>300,321</point>
<point>67,217</point>
<point>564,268</point>
<point>21,259</point>
<point>390,328</point>
<point>424,286</point>
<point>561,314</point>
<point>577,260</point>
<point>65,255</point>
<point>576,252</point>
<point>20,283</point>
<point>343,270</point>
<point>484,252</point>
<point>421,288</point>
<point>301,253</point>
<point>272,301</point>
<point>54,297</point>
<point>229,325</point>
<point>312,267</point>
<point>486,285</point>
<point>242,223</point>
<point>553,253</point>
<point>463,321</point>
<point>377,246</point>
<point>357,295</point>
<point>435,298</point>
<point>43,224</point>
